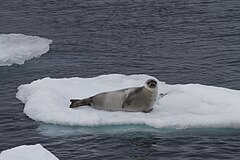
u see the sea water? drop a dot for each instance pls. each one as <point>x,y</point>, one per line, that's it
<point>177,42</point>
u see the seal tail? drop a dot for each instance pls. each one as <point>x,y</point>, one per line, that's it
<point>80,102</point>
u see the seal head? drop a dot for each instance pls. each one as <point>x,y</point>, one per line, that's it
<point>151,84</point>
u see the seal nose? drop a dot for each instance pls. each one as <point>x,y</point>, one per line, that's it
<point>152,85</point>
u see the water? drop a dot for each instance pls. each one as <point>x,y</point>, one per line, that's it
<point>176,41</point>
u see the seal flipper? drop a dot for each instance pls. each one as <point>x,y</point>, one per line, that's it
<point>80,102</point>
<point>148,111</point>
<point>130,97</point>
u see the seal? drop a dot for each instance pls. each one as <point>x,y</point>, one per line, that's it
<point>136,99</point>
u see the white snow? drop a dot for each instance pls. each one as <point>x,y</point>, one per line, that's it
<point>17,48</point>
<point>185,106</point>
<point>27,152</point>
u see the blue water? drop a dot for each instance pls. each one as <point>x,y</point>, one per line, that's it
<point>185,41</point>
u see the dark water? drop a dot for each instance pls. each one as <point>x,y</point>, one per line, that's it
<point>187,41</point>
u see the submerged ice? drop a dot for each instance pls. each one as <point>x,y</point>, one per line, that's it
<point>17,48</point>
<point>184,106</point>
<point>27,152</point>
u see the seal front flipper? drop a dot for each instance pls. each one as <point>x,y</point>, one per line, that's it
<point>130,97</point>
<point>80,102</point>
<point>148,111</point>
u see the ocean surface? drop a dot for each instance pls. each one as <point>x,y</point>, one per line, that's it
<point>178,42</point>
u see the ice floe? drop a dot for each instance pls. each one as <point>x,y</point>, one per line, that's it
<point>17,48</point>
<point>27,152</point>
<point>184,106</point>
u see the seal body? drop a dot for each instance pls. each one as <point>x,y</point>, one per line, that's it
<point>137,99</point>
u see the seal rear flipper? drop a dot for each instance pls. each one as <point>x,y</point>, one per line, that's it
<point>78,102</point>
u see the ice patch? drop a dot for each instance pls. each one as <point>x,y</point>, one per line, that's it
<point>17,48</point>
<point>185,106</point>
<point>30,152</point>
